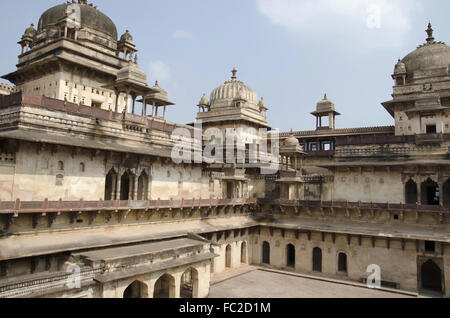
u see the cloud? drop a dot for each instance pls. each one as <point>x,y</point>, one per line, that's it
<point>160,71</point>
<point>182,34</point>
<point>366,23</point>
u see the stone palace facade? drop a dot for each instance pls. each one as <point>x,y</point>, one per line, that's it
<point>90,193</point>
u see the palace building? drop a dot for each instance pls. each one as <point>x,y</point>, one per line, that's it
<point>93,205</point>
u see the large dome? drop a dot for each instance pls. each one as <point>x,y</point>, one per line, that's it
<point>430,55</point>
<point>232,90</point>
<point>90,17</point>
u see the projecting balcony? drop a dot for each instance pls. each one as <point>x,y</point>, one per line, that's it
<point>429,138</point>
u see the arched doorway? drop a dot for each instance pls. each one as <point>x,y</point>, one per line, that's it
<point>136,290</point>
<point>446,193</point>
<point>143,186</point>
<point>110,185</point>
<point>430,193</point>
<point>228,256</point>
<point>431,276</point>
<point>189,284</point>
<point>317,260</point>
<point>125,186</point>
<point>165,287</point>
<point>244,253</point>
<point>411,192</point>
<point>342,263</point>
<point>266,253</point>
<point>290,255</point>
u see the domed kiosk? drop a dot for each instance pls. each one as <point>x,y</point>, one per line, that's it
<point>421,101</point>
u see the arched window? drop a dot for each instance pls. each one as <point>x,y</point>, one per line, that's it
<point>143,186</point>
<point>446,193</point>
<point>244,253</point>
<point>60,166</point>
<point>266,253</point>
<point>290,255</point>
<point>411,192</point>
<point>82,167</point>
<point>342,263</point>
<point>317,260</point>
<point>228,256</point>
<point>430,193</point>
<point>125,183</point>
<point>110,185</point>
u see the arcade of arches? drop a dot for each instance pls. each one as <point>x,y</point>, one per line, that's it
<point>428,192</point>
<point>127,187</point>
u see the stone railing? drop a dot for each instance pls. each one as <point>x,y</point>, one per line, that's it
<point>56,280</point>
<point>364,205</point>
<point>29,207</point>
<point>32,100</point>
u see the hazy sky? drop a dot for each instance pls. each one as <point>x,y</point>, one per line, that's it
<point>290,52</point>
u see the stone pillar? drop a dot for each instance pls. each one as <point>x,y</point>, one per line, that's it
<point>165,112</point>
<point>116,91</point>
<point>177,292</point>
<point>441,194</point>
<point>134,102</point>
<point>118,187</point>
<point>135,189</point>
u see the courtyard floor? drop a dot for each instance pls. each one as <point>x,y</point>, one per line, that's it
<point>263,284</point>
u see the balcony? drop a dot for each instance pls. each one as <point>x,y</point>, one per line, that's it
<point>429,138</point>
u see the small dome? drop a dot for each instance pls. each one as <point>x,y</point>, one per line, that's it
<point>325,105</point>
<point>291,142</point>
<point>126,37</point>
<point>90,17</point>
<point>262,104</point>
<point>30,31</point>
<point>400,68</point>
<point>204,101</point>
<point>132,73</point>
<point>225,94</point>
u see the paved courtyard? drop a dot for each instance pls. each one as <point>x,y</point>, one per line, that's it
<point>261,284</point>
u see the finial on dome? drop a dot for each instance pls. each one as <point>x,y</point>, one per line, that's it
<point>234,71</point>
<point>325,97</point>
<point>156,84</point>
<point>430,39</point>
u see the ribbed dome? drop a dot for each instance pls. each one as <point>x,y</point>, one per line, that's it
<point>291,141</point>
<point>232,90</point>
<point>90,17</point>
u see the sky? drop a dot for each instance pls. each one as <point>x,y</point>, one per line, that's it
<point>291,52</point>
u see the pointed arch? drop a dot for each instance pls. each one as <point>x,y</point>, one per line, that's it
<point>228,251</point>
<point>190,283</point>
<point>244,252</point>
<point>411,192</point>
<point>164,287</point>
<point>430,192</point>
<point>446,193</point>
<point>266,253</point>
<point>137,289</point>
<point>110,185</point>
<point>143,186</point>
<point>290,255</point>
<point>317,259</point>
